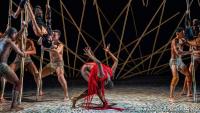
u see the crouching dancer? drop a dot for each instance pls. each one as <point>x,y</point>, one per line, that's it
<point>6,44</point>
<point>97,75</point>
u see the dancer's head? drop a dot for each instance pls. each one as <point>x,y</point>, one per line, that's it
<point>56,35</point>
<point>38,11</point>
<point>11,33</point>
<point>180,32</point>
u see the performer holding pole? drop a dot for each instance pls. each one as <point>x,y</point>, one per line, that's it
<point>191,33</point>
<point>56,62</point>
<point>7,43</point>
<point>177,64</point>
<point>44,31</point>
<point>3,81</point>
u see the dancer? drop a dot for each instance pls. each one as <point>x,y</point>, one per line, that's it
<point>40,28</point>
<point>29,64</point>
<point>177,64</point>
<point>56,62</point>
<point>7,43</point>
<point>96,74</point>
<point>196,51</point>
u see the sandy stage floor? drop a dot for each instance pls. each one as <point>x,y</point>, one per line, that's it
<point>134,99</point>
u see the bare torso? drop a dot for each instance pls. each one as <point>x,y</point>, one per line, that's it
<point>5,49</point>
<point>176,45</point>
<point>28,48</point>
<point>56,56</point>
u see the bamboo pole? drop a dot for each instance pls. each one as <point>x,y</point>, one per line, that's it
<point>140,38</point>
<point>80,27</point>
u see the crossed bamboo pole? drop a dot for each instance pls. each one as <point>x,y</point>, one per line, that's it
<point>163,47</point>
<point>65,35</point>
<point>80,27</point>
<point>157,33</point>
<point>140,38</point>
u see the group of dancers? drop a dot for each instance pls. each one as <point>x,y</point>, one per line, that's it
<point>95,73</point>
<point>188,36</point>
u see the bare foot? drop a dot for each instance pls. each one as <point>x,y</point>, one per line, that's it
<point>105,105</point>
<point>66,99</point>
<point>182,93</point>
<point>2,100</point>
<point>74,99</point>
<point>171,99</point>
<point>41,93</point>
<point>189,95</point>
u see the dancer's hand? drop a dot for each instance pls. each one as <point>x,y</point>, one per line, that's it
<point>88,52</point>
<point>107,49</point>
<point>23,24</point>
<point>24,54</point>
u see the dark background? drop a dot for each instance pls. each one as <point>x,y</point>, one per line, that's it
<point>111,9</point>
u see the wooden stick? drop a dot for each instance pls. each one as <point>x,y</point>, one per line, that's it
<point>140,38</point>
<point>39,86</point>
<point>194,81</point>
<point>80,27</point>
<point>23,47</point>
<point>65,35</point>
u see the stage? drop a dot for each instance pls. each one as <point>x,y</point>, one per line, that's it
<point>134,99</point>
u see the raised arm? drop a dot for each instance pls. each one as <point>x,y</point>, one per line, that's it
<point>48,18</point>
<point>90,54</point>
<point>19,9</point>
<point>19,34</point>
<point>114,66</point>
<point>37,30</point>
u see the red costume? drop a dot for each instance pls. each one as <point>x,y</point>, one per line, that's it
<point>96,83</point>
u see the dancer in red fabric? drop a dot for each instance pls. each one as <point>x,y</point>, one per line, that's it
<point>97,75</point>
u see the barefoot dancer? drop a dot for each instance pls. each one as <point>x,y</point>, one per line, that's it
<point>6,44</point>
<point>177,64</point>
<point>56,62</point>
<point>96,74</point>
<point>29,64</point>
<point>196,51</point>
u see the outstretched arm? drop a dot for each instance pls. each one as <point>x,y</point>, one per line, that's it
<point>37,30</point>
<point>19,9</point>
<point>48,18</point>
<point>19,34</point>
<point>114,66</point>
<point>16,49</point>
<point>90,54</point>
